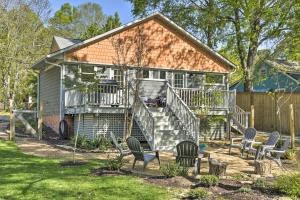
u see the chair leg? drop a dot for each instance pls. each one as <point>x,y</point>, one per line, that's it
<point>157,156</point>
<point>198,165</point>
<point>133,163</point>
<point>145,165</point>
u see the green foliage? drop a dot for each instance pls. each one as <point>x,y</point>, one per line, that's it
<point>290,154</point>
<point>44,178</point>
<point>115,164</point>
<point>199,193</point>
<point>260,183</point>
<point>98,142</point>
<point>209,180</point>
<point>289,184</point>
<point>245,190</point>
<point>172,169</point>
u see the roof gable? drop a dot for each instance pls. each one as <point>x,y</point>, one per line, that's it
<point>166,24</point>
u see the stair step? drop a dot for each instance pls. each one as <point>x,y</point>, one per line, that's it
<point>152,109</point>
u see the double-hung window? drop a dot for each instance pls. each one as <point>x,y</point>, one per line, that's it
<point>178,80</point>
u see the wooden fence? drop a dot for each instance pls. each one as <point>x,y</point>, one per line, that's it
<point>267,117</point>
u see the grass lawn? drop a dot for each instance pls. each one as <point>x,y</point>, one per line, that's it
<point>29,177</point>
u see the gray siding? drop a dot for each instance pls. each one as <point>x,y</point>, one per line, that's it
<point>50,97</point>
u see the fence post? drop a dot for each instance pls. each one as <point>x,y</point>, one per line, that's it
<point>12,125</point>
<point>292,126</point>
<point>252,116</point>
<point>40,120</point>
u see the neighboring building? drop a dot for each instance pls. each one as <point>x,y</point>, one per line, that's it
<point>274,75</point>
<point>178,67</point>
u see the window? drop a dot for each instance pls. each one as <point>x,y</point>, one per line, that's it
<point>178,80</point>
<point>214,79</point>
<point>118,76</point>
<point>162,75</point>
<point>159,74</point>
<point>263,72</point>
<point>145,73</point>
<point>87,73</point>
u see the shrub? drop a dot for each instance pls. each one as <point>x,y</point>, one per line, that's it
<point>199,193</point>
<point>260,183</point>
<point>98,142</point>
<point>209,180</point>
<point>290,154</point>
<point>172,169</point>
<point>115,164</point>
<point>289,184</point>
<point>245,190</point>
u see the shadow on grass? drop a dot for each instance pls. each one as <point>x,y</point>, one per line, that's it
<point>28,177</point>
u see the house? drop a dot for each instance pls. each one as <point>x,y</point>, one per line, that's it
<point>177,67</point>
<point>274,75</point>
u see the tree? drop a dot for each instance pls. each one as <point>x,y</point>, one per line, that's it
<point>244,25</point>
<point>23,38</point>
<point>94,29</point>
<point>63,21</point>
<point>199,17</point>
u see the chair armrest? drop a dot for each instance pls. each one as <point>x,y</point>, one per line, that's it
<point>236,139</point>
<point>274,151</point>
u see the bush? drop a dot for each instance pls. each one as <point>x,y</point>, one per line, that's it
<point>289,184</point>
<point>172,169</point>
<point>99,142</point>
<point>260,183</point>
<point>115,164</point>
<point>290,154</point>
<point>199,193</point>
<point>209,180</point>
<point>245,190</point>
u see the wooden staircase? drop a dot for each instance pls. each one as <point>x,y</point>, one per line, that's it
<point>239,119</point>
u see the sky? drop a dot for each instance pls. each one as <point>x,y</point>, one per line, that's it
<point>109,7</point>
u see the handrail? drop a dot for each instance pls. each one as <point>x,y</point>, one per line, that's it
<point>240,117</point>
<point>211,98</point>
<point>145,120</point>
<point>103,95</point>
<point>183,113</point>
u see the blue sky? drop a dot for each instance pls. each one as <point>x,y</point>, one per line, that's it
<point>109,7</point>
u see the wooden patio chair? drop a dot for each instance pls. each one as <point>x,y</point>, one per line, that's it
<point>188,155</point>
<point>278,152</point>
<point>268,145</point>
<point>118,146</point>
<point>139,154</point>
<point>248,138</point>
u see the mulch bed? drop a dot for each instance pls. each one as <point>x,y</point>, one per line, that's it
<point>177,181</point>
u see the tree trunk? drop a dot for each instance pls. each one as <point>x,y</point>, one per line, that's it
<point>11,120</point>
<point>217,168</point>
<point>263,167</point>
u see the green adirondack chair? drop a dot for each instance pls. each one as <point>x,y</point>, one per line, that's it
<point>188,155</point>
<point>139,154</point>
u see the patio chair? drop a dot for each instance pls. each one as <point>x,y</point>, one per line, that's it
<point>248,138</point>
<point>278,152</point>
<point>118,146</point>
<point>268,145</point>
<point>188,155</point>
<point>139,154</point>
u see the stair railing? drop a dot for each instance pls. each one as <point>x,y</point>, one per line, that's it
<point>144,119</point>
<point>240,118</point>
<point>183,113</point>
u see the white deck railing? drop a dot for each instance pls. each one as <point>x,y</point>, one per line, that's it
<point>240,117</point>
<point>103,95</point>
<point>210,98</point>
<point>183,113</point>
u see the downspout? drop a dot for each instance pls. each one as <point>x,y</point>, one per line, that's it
<point>61,104</point>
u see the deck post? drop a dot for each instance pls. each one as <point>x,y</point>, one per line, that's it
<point>292,126</point>
<point>40,121</point>
<point>252,116</point>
